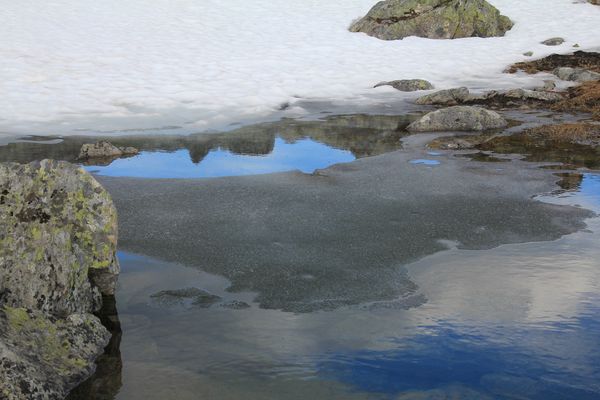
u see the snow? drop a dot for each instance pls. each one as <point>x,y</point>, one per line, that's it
<point>75,65</point>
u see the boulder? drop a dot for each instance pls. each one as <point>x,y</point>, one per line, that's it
<point>408,85</point>
<point>58,236</point>
<point>447,97</point>
<point>556,41</point>
<point>459,118</point>
<point>535,95</point>
<point>576,74</point>
<point>104,150</point>
<point>434,19</point>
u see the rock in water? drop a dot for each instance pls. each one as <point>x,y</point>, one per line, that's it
<point>58,236</point>
<point>104,150</point>
<point>434,19</point>
<point>408,85</point>
<point>459,118</point>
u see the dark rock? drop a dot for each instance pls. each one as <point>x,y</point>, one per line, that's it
<point>185,297</point>
<point>235,305</point>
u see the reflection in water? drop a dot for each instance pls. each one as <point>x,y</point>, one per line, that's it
<point>284,145</point>
<point>305,155</point>
<point>518,321</point>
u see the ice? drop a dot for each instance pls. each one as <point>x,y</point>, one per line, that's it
<point>69,66</point>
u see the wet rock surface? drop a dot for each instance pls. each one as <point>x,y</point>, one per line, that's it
<point>58,233</point>
<point>188,297</point>
<point>434,19</point>
<point>459,118</point>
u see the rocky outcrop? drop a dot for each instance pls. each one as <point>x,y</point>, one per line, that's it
<point>105,150</point>
<point>459,118</point>
<point>447,97</point>
<point>434,19</point>
<point>408,85</point>
<point>58,235</point>
<point>576,74</point>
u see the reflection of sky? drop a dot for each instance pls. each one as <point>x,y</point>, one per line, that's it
<point>502,364</point>
<point>305,155</point>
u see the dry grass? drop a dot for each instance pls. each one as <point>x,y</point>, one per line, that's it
<point>572,133</point>
<point>583,98</point>
<point>579,59</point>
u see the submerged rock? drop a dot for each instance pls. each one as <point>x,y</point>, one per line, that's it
<point>576,74</point>
<point>104,150</point>
<point>58,236</point>
<point>408,85</point>
<point>434,19</point>
<point>459,118</point>
<point>235,305</point>
<point>185,297</point>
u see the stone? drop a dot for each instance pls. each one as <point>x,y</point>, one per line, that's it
<point>556,41</point>
<point>186,297</point>
<point>434,19</point>
<point>235,305</point>
<point>408,85</point>
<point>576,74</point>
<point>459,118</point>
<point>448,97</point>
<point>549,85</point>
<point>58,236</point>
<point>536,95</point>
<point>104,150</point>
<point>528,54</point>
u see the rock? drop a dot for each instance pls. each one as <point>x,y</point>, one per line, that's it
<point>408,85</point>
<point>44,357</point>
<point>528,54</point>
<point>548,86</point>
<point>235,305</point>
<point>185,297</point>
<point>524,94</point>
<point>434,19</point>
<point>104,150</point>
<point>556,41</point>
<point>58,236</point>
<point>576,74</point>
<point>448,97</point>
<point>459,118</point>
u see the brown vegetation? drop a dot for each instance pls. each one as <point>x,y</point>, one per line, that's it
<point>579,59</point>
<point>582,98</point>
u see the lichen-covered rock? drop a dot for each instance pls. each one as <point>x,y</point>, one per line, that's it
<point>104,150</point>
<point>535,95</point>
<point>435,19</point>
<point>459,118</point>
<point>58,229</point>
<point>408,85</point>
<point>58,236</point>
<point>447,97</point>
<point>576,74</point>
<point>43,357</point>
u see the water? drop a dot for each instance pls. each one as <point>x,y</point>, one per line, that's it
<point>517,321</point>
<point>305,155</point>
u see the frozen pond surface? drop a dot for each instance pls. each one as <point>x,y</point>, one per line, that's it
<point>515,321</point>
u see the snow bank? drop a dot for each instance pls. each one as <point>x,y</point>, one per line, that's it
<point>202,64</point>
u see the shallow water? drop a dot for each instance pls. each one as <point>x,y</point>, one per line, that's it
<point>516,321</point>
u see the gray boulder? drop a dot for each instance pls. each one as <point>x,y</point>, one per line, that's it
<point>536,95</point>
<point>576,74</point>
<point>459,118</point>
<point>104,150</point>
<point>408,85</point>
<point>448,97</point>
<point>434,19</point>
<point>58,236</point>
<point>556,41</point>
